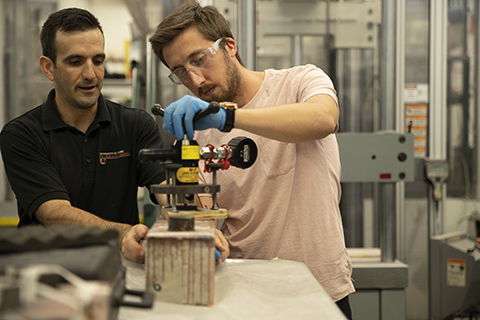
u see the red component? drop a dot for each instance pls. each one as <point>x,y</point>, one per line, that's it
<point>207,161</point>
<point>385,176</point>
<point>226,163</point>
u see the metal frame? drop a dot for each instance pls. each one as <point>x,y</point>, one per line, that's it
<point>400,124</point>
<point>437,135</point>
<point>391,197</point>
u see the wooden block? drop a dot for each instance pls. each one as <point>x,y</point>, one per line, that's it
<point>199,214</point>
<point>180,265</point>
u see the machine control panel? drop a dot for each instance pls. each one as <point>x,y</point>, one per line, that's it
<point>376,157</point>
<point>437,173</point>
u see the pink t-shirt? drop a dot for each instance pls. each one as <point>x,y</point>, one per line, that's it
<point>286,204</point>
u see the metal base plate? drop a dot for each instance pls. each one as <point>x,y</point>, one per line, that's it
<point>199,214</point>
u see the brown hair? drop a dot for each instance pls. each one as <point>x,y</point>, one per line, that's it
<point>208,21</point>
<point>66,20</point>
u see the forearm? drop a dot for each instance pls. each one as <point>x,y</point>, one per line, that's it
<point>55,212</point>
<point>295,123</point>
<point>220,242</point>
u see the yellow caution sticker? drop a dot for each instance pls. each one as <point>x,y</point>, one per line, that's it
<point>188,175</point>
<point>456,272</point>
<point>190,152</point>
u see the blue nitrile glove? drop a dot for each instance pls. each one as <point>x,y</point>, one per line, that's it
<point>186,107</point>
<point>218,254</point>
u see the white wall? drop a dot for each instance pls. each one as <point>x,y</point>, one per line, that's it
<point>457,214</point>
<point>114,18</point>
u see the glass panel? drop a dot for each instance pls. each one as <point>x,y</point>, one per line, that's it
<point>315,51</point>
<point>26,86</point>
<point>416,41</point>
<point>461,99</point>
<point>274,52</point>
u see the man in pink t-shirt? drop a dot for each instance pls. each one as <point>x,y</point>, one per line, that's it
<point>286,204</point>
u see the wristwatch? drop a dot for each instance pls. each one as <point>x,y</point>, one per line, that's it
<point>230,108</point>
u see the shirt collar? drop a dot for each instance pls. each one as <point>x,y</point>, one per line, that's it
<point>51,118</point>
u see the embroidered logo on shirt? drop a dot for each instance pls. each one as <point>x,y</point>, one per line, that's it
<point>104,156</point>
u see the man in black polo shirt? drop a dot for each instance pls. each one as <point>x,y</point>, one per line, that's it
<point>73,159</point>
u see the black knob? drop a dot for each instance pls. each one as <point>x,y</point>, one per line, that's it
<point>243,152</point>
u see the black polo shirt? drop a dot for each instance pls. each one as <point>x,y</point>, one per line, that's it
<point>98,171</point>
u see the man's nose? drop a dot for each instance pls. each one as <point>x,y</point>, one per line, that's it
<point>196,77</point>
<point>89,71</point>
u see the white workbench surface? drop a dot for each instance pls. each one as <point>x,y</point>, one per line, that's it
<point>245,289</point>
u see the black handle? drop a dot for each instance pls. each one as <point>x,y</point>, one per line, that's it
<point>243,152</point>
<point>158,110</point>
<point>213,107</point>
<point>146,155</point>
<point>147,299</point>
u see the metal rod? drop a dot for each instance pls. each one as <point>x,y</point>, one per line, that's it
<point>174,201</point>
<point>169,199</point>
<point>214,177</point>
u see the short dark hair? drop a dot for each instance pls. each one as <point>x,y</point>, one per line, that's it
<point>207,20</point>
<point>66,20</point>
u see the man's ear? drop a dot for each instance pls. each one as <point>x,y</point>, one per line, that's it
<point>47,66</point>
<point>231,47</point>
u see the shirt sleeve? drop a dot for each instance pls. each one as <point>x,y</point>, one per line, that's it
<point>313,81</point>
<point>30,172</point>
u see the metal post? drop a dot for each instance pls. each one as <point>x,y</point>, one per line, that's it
<point>401,250</point>
<point>214,179</point>
<point>437,135</point>
<point>247,14</point>
<point>296,51</point>
<point>352,195</point>
<point>387,122</point>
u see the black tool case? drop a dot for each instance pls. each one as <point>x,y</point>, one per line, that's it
<point>90,253</point>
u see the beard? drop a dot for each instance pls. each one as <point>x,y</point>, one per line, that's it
<point>234,84</point>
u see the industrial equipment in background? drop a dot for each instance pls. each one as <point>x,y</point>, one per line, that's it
<point>437,173</point>
<point>380,278</point>
<point>454,275</point>
<point>181,253</point>
<point>454,258</point>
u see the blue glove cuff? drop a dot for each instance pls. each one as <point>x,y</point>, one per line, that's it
<point>223,113</point>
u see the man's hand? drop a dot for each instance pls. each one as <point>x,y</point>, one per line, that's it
<point>187,107</point>
<point>222,245</point>
<point>131,247</point>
